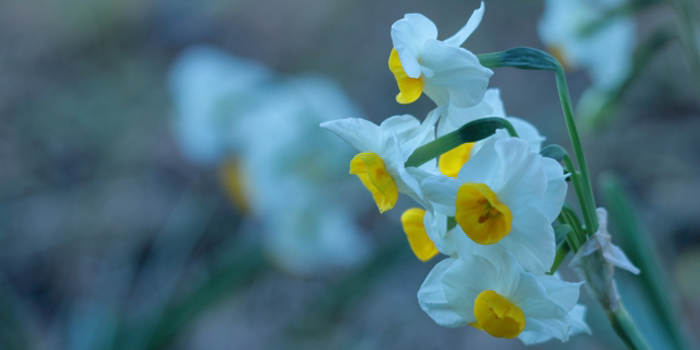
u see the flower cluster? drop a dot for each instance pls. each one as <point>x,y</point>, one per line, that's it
<point>259,130</point>
<point>487,205</point>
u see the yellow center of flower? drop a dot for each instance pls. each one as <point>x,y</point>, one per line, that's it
<point>498,316</point>
<point>369,167</point>
<point>452,161</point>
<point>235,185</point>
<point>480,215</point>
<point>410,88</point>
<point>413,226</point>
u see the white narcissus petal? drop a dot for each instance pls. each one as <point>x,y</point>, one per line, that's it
<point>528,133</point>
<point>361,134</point>
<point>455,118</point>
<point>577,315</point>
<point>553,200</point>
<point>464,280</point>
<point>441,191</point>
<point>457,74</point>
<point>432,300</point>
<point>564,294</point>
<point>484,165</point>
<point>408,35</point>
<point>419,134</point>
<point>408,183</point>
<point>531,241</point>
<point>521,171</point>
<point>404,126</point>
<point>551,327</point>
<point>463,34</point>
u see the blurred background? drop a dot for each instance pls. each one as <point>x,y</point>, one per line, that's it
<point>114,237</point>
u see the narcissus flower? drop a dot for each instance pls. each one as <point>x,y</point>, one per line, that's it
<point>442,70</point>
<point>500,298</point>
<point>504,199</point>
<point>566,28</point>
<point>384,150</point>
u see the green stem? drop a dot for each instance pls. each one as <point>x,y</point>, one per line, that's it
<point>688,30</point>
<point>587,200</point>
<point>579,188</point>
<point>625,328</point>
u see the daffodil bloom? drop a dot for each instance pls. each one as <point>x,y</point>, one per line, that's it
<point>504,199</point>
<point>606,51</point>
<point>491,106</point>
<point>499,297</point>
<point>442,70</point>
<point>384,150</point>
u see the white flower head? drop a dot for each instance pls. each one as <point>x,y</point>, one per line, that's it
<point>384,150</point>
<point>504,199</point>
<point>499,297</point>
<point>606,52</point>
<point>443,70</point>
<point>596,260</point>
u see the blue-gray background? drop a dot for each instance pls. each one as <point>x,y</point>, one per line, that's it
<point>91,174</point>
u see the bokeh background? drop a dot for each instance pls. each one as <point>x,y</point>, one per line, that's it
<point>111,239</point>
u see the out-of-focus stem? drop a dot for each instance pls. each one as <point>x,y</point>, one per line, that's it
<point>687,13</point>
<point>625,328</point>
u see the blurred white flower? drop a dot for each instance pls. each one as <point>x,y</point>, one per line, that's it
<point>504,199</point>
<point>262,131</point>
<point>315,232</point>
<point>443,70</point>
<point>606,51</point>
<point>501,298</point>
<point>211,92</point>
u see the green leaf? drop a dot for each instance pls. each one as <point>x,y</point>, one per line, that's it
<point>521,58</point>
<point>554,151</point>
<point>471,132</point>
<point>640,249</point>
<point>561,231</point>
